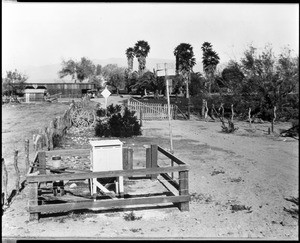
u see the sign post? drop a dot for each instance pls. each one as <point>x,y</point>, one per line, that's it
<point>165,73</point>
<point>106,93</point>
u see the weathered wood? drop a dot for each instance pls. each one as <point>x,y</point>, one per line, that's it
<point>153,159</point>
<point>170,180</point>
<point>170,156</point>
<point>51,131</point>
<point>184,189</point>
<point>69,152</point>
<point>33,200</point>
<point>148,159</point>
<point>125,158</point>
<point>27,163</point>
<point>141,116</point>
<point>130,158</point>
<point>17,170</point>
<point>249,116</point>
<point>109,203</point>
<point>32,167</point>
<point>42,162</point>
<point>4,180</point>
<point>232,113</point>
<point>105,174</point>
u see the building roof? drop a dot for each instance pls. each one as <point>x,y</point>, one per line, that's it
<point>34,91</point>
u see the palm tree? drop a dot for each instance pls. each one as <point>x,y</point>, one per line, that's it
<point>130,55</point>
<point>141,50</point>
<point>210,60</point>
<point>184,62</point>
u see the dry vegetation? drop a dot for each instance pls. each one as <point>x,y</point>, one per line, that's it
<point>241,185</point>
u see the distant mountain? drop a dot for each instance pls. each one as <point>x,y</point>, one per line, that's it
<point>49,73</point>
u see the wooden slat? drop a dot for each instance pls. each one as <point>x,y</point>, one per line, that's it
<point>109,203</point>
<point>171,156</point>
<point>170,180</point>
<point>104,174</point>
<point>69,152</point>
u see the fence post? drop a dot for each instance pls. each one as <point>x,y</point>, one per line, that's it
<point>148,158</point>
<point>141,116</point>
<point>183,189</point>
<point>130,158</point>
<point>27,155</point>
<point>125,158</point>
<point>33,199</point>
<point>153,159</point>
<point>42,162</point>
<point>51,133</point>
<point>17,170</point>
<point>4,181</point>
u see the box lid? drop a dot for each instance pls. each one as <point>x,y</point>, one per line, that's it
<point>95,143</point>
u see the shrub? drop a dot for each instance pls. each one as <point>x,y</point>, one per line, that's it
<point>118,124</point>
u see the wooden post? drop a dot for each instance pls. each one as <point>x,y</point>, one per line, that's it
<point>33,199</point>
<point>125,158</point>
<point>232,113</point>
<point>273,120</point>
<point>42,162</point>
<point>51,133</point>
<point>27,163</point>
<point>130,158</point>
<point>203,108</point>
<point>4,181</point>
<point>17,170</point>
<point>148,158</point>
<point>206,111</point>
<point>249,115</point>
<point>153,159</point>
<point>183,189</point>
<point>141,116</point>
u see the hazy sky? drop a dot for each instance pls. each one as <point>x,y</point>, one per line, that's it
<point>45,33</point>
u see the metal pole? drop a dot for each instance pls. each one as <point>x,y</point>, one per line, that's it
<point>169,112</point>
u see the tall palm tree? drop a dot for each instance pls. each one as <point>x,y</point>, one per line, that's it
<point>184,62</point>
<point>130,56</point>
<point>210,60</point>
<point>141,50</point>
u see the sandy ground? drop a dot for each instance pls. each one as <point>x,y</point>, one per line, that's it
<point>249,168</point>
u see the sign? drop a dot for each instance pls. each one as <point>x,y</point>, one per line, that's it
<point>106,93</point>
<point>162,67</point>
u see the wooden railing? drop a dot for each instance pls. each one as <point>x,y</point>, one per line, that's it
<point>180,197</point>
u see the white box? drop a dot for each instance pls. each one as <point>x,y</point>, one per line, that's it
<point>106,155</point>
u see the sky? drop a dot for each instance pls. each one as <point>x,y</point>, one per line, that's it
<point>36,34</point>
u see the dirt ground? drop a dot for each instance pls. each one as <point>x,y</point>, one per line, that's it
<point>257,171</point>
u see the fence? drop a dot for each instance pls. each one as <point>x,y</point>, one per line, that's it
<point>47,137</point>
<point>178,189</point>
<point>151,111</point>
<point>50,135</point>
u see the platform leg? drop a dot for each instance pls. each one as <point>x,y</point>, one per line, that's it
<point>121,185</point>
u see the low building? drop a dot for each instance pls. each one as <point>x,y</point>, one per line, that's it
<point>33,95</point>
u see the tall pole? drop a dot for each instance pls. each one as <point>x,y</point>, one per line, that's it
<point>169,112</point>
<point>188,95</point>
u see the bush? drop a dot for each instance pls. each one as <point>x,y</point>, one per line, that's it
<point>117,124</point>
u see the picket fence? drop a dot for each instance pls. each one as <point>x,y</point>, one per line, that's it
<point>151,111</point>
